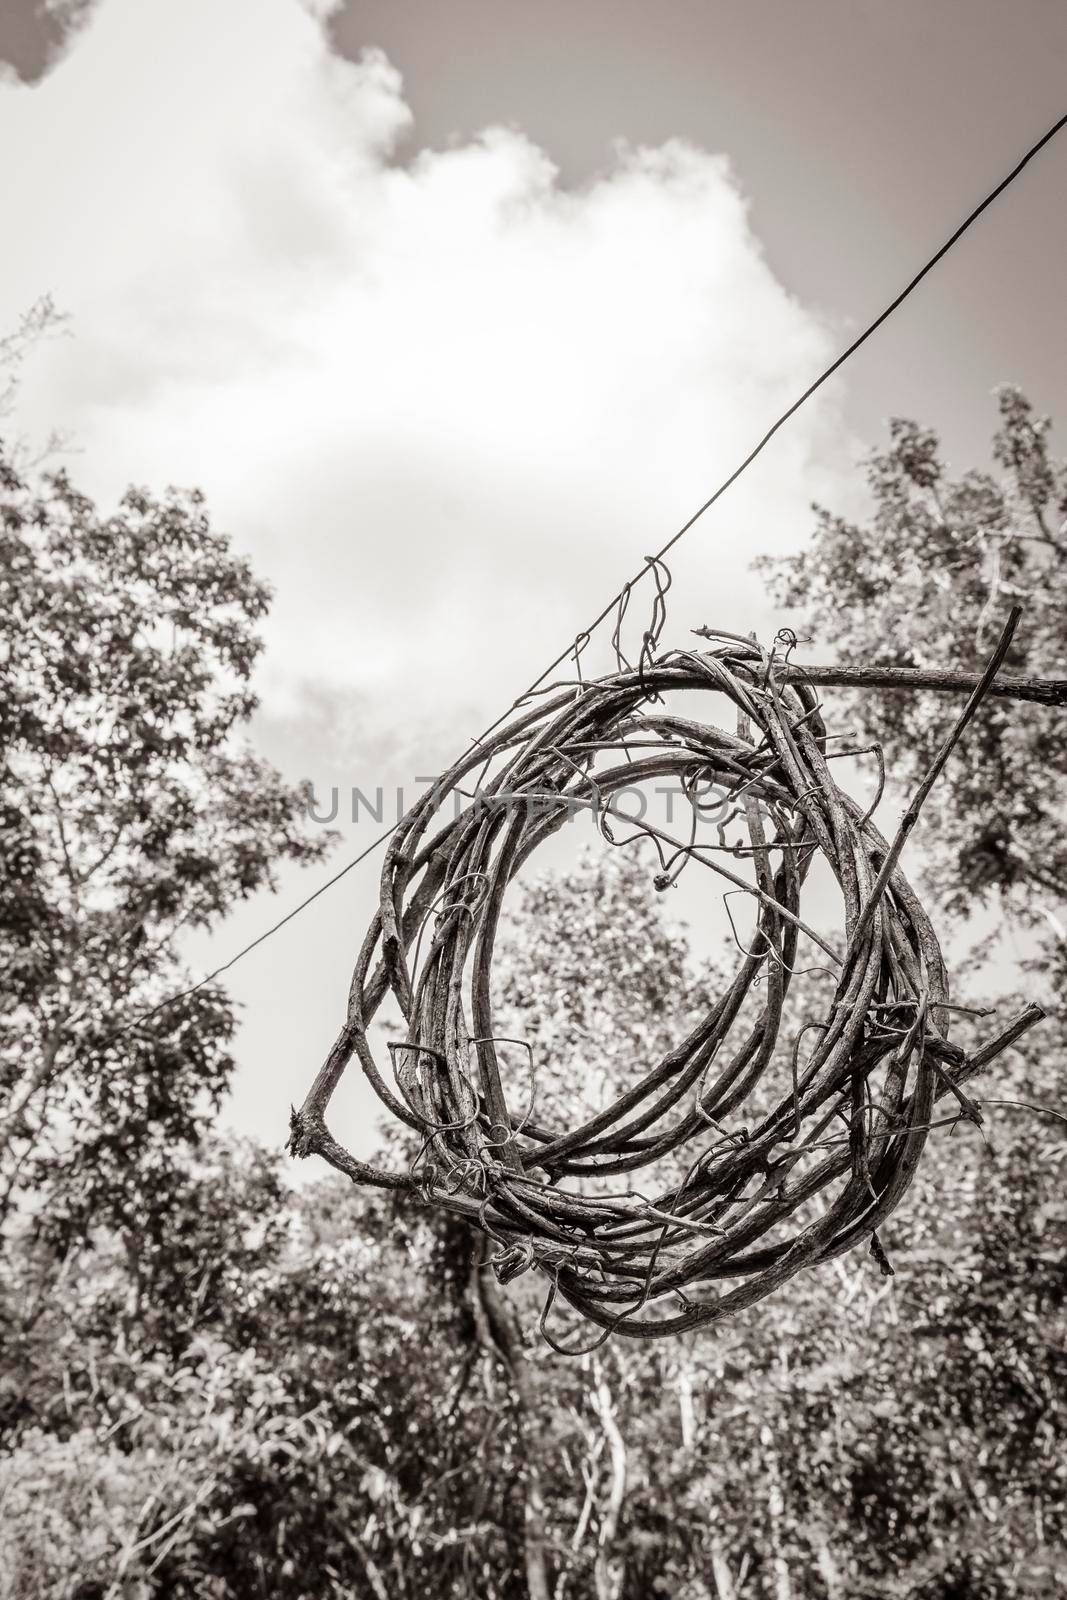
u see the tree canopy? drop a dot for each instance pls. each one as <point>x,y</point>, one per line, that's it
<point>232,1388</point>
<point>923,583</point>
<point>131,809</point>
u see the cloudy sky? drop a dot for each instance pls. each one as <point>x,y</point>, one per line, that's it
<point>456,309</point>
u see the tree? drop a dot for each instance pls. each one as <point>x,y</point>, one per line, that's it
<point>923,583</point>
<point>306,1403</point>
<point>256,1393</point>
<point>42,320</point>
<point>130,810</point>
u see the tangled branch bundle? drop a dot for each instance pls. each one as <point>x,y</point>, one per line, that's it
<point>752,1198</point>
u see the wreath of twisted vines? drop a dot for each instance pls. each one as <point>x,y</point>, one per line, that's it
<point>751,1205</point>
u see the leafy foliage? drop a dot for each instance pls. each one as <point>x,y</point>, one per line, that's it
<point>598,980</point>
<point>226,1389</point>
<point>923,584</point>
<point>129,811</point>
<point>317,1414</point>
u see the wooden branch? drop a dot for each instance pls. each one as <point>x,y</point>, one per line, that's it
<point>1043,691</point>
<point>918,799</point>
<point>46,1070</point>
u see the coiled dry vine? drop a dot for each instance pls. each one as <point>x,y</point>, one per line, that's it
<point>752,1200</point>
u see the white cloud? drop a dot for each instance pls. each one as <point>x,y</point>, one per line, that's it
<point>445,403</point>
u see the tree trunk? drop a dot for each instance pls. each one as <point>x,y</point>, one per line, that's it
<point>783,1588</point>
<point>607,1573</point>
<point>500,1333</point>
<point>686,1413</point>
<point>720,1571</point>
<point>828,1571</point>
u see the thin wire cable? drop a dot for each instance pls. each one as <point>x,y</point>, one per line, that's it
<point>650,562</point>
<point>217,972</point>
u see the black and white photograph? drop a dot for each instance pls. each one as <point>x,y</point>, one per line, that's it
<point>533,839</point>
